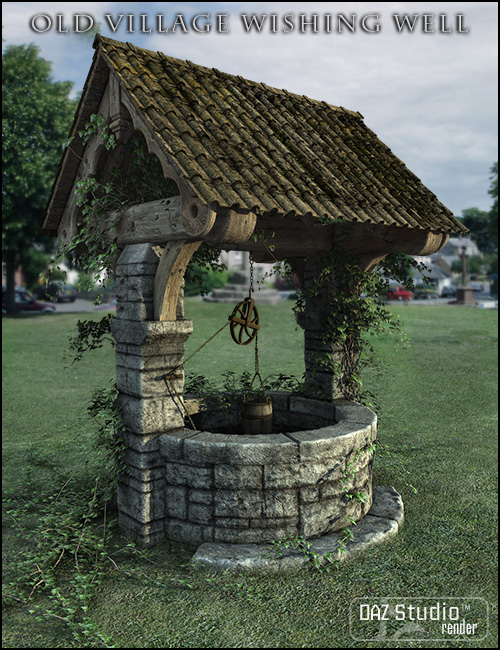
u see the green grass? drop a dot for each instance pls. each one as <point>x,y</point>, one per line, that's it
<point>438,414</point>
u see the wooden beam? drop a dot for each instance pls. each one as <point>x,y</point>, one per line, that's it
<point>278,241</point>
<point>169,277</point>
<point>156,222</point>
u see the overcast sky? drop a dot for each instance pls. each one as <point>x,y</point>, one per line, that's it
<point>430,94</point>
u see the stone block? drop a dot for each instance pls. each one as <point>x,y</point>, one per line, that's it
<point>146,535</point>
<point>387,503</point>
<point>360,482</point>
<point>320,385</point>
<point>143,475</point>
<point>233,477</point>
<point>135,289</point>
<point>228,522</point>
<point>134,311</point>
<point>353,412</point>
<point>140,443</point>
<point>171,443</point>
<point>176,501</point>
<point>187,532</point>
<point>140,358</point>
<point>280,400</point>
<point>281,476</point>
<point>140,269</point>
<point>149,416</point>
<point>200,513</point>
<point>337,440</point>
<point>318,473</point>
<point>253,535</point>
<point>205,497</point>
<point>169,336</point>
<point>218,448</point>
<point>241,503</point>
<point>141,506</point>
<point>215,420</point>
<point>144,384</point>
<point>138,254</point>
<point>313,406</point>
<point>320,518</point>
<point>275,522</point>
<point>279,504</point>
<point>143,460</point>
<point>190,475</point>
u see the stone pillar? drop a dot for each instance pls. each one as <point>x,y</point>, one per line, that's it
<point>327,366</point>
<point>145,350</point>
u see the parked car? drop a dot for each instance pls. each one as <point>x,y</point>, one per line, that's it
<point>399,293</point>
<point>56,293</point>
<point>476,286</point>
<point>26,304</point>
<point>423,292</point>
<point>448,292</point>
<point>67,293</point>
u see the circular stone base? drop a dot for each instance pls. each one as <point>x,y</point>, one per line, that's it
<point>382,522</point>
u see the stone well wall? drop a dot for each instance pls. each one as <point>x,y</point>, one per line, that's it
<point>214,484</point>
<point>235,488</point>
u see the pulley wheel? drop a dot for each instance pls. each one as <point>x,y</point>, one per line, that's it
<point>244,322</point>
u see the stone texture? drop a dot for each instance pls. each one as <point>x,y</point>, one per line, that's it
<point>387,504</point>
<point>247,488</point>
<point>260,558</point>
<point>143,506</point>
<point>149,416</point>
<point>144,534</point>
<point>218,448</point>
<point>189,475</point>
<point>236,477</point>
<point>176,502</point>
<point>187,532</point>
<point>238,503</point>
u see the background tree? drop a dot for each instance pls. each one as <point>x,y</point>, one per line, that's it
<point>478,222</point>
<point>493,214</point>
<point>37,113</point>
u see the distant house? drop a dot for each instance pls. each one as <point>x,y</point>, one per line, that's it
<point>442,261</point>
<point>439,278</point>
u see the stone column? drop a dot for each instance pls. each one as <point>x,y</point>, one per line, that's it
<point>145,350</point>
<point>326,365</point>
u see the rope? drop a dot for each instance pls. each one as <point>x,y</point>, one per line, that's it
<point>181,401</point>
<point>257,370</point>
<point>192,355</point>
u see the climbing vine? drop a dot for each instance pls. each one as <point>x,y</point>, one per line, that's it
<point>136,177</point>
<point>348,304</point>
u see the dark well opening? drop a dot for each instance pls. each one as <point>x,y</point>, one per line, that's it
<point>288,415</point>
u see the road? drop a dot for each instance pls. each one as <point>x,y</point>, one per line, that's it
<point>81,305</point>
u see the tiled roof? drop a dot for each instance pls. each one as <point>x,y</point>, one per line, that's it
<point>242,144</point>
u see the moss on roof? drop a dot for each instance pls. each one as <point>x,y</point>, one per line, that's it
<point>239,143</point>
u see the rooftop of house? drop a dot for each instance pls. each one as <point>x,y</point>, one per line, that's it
<point>241,144</point>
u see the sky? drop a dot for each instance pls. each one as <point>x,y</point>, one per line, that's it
<point>429,93</point>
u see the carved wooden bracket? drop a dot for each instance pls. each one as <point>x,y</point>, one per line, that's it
<point>169,277</point>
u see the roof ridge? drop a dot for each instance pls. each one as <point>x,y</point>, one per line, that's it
<point>104,40</point>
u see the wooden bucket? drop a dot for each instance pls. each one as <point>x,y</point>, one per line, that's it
<point>257,416</point>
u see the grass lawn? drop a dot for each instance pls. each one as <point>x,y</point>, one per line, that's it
<point>438,417</point>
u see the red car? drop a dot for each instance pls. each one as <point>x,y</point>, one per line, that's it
<point>26,304</point>
<point>399,293</point>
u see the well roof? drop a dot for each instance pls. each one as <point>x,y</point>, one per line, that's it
<point>241,144</point>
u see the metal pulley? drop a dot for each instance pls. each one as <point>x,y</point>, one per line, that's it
<point>244,321</point>
<point>245,317</point>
